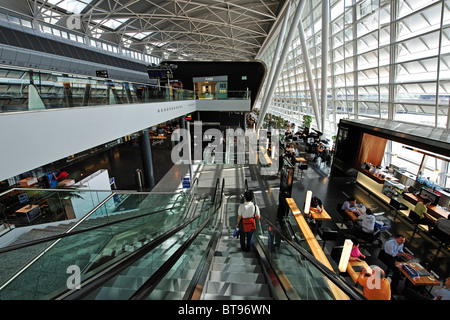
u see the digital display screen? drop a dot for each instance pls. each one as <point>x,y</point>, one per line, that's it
<point>425,194</point>
<point>23,197</point>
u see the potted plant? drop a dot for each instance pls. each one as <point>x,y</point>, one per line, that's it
<point>307,120</point>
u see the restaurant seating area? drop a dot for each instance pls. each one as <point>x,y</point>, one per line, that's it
<point>429,253</point>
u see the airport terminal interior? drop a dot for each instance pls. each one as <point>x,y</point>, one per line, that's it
<point>135,131</point>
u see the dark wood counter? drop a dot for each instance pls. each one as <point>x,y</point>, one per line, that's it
<point>432,210</point>
<point>371,175</point>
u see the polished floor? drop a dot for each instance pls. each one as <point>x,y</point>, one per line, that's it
<point>122,161</point>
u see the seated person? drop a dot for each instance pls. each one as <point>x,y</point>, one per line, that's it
<point>316,205</point>
<point>350,206</point>
<point>393,252</point>
<point>368,222</point>
<point>60,175</point>
<point>420,215</point>
<point>444,292</point>
<point>376,286</point>
<point>355,254</point>
<point>442,229</point>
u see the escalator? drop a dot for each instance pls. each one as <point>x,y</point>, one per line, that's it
<point>39,269</point>
<point>179,253</point>
<point>234,274</point>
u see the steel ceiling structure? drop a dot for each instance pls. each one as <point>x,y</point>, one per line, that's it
<point>184,29</point>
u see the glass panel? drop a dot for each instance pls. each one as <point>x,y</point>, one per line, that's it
<point>57,91</point>
<point>305,281</point>
<point>87,252</point>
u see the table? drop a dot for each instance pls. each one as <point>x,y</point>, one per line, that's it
<point>31,212</point>
<point>352,215</point>
<point>27,182</point>
<point>320,216</point>
<point>355,274</point>
<point>419,281</point>
<point>66,183</point>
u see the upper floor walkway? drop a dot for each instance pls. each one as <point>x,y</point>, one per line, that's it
<point>51,117</point>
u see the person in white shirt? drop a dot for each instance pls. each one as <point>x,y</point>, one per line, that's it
<point>246,210</point>
<point>368,221</point>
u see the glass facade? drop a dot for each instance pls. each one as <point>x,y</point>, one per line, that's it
<point>387,59</point>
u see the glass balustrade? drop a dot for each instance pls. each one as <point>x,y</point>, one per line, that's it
<point>42,270</point>
<point>29,90</point>
<point>177,279</point>
<point>301,279</point>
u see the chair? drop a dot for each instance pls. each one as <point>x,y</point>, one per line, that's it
<point>441,238</point>
<point>342,213</point>
<point>326,234</point>
<point>413,294</point>
<point>302,167</point>
<point>366,237</point>
<point>382,258</point>
<point>336,253</point>
<point>412,219</point>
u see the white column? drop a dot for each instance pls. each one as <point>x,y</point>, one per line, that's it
<point>281,61</point>
<point>325,41</point>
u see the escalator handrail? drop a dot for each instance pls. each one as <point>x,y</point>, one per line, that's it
<point>319,265</point>
<point>146,289</point>
<point>332,276</point>
<point>95,282</point>
<point>72,233</point>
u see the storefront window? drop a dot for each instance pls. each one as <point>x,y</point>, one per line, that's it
<point>406,158</point>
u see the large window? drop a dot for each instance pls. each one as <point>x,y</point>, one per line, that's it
<point>418,162</point>
<point>388,59</point>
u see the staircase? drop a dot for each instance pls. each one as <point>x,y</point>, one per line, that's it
<point>235,275</point>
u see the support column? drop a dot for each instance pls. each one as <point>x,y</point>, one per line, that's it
<point>276,56</point>
<point>309,75</point>
<point>325,41</point>
<point>67,94</point>
<point>87,94</point>
<point>287,43</point>
<point>146,151</point>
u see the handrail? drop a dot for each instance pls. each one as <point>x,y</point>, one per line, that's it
<point>145,290</point>
<point>115,269</point>
<point>319,265</point>
<point>71,233</point>
<point>333,277</point>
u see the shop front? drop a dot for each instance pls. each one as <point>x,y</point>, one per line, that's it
<point>398,163</point>
<point>212,87</point>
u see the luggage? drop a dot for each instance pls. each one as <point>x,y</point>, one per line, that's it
<point>248,224</point>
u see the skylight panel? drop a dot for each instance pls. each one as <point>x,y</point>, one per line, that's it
<point>138,35</point>
<point>159,44</point>
<point>111,23</point>
<point>74,6</point>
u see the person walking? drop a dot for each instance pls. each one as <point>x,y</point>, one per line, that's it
<point>247,210</point>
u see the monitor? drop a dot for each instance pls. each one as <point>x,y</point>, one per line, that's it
<point>23,197</point>
<point>427,194</point>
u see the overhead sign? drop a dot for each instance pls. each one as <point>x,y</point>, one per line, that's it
<point>101,73</point>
